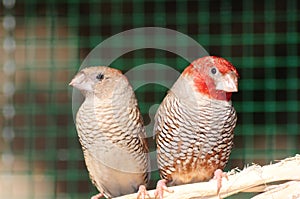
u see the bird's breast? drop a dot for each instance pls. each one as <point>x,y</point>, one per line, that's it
<point>193,141</point>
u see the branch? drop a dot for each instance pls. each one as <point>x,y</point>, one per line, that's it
<point>290,189</point>
<point>253,178</point>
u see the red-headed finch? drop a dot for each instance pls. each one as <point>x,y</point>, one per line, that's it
<point>194,124</point>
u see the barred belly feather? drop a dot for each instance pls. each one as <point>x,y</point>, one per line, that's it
<point>111,132</point>
<point>192,142</point>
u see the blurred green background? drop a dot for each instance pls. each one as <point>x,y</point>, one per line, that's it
<point>40,53</point>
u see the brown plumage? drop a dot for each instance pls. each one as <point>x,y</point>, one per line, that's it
<point>111,132</point>
<point>194,123</point>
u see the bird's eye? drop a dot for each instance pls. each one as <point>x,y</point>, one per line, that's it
<point>213,71</point>
<point>100,76</point>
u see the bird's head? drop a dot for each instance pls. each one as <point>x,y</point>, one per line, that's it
<point>101,81</point>
<point>214,77</point>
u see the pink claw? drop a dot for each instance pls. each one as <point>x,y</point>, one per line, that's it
<point>218,175</point>
<point>142,193</point>
<point>160,188</point>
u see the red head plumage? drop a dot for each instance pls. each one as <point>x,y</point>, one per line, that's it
<point>213,76</point>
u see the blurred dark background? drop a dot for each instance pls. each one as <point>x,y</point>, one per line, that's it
<point>45,42</point>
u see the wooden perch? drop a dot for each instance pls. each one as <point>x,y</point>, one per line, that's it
<point>254,178</point>
<point>290,190</point>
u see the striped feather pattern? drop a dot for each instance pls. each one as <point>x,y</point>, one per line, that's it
<point>193,140</point>
<point>112,136</point>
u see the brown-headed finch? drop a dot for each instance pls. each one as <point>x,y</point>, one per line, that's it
<point>111,132</point>
<point>194,124</point>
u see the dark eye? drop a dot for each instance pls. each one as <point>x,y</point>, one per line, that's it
<point>213,71</point>
<point>100,76</point>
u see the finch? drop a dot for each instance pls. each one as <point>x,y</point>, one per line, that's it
<point>111,132</point>
<point>194,124</point>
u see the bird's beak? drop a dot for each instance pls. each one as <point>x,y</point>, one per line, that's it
<point>77,80</point>
<point>228,83</point>
<point>81,82</point>
<point>72,83</point>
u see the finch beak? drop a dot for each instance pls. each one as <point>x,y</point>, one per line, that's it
<point>228,83</point>
<point>77,80</point>
<point>72,83</point>
<point>81,83</point>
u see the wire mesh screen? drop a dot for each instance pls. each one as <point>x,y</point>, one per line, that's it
<point>45,42</point>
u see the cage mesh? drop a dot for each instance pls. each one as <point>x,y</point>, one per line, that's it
<point>42,158</point>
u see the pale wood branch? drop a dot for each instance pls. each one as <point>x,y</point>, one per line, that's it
<point>253,178</point>
<point>288,190</point>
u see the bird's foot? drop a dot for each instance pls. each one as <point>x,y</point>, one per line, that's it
<point>160,188</point>
<point>218,175</point>
<point>97,196</point>
<point>142,193</point>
